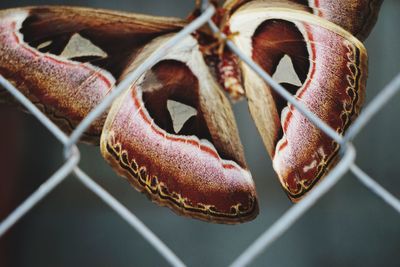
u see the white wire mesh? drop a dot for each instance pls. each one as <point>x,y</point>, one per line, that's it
<point>279,227</point>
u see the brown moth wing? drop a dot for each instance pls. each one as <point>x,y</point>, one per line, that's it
<point>332,67</point>
<point>197,170</point>
<point>67,59</point>
<point>356,16</point>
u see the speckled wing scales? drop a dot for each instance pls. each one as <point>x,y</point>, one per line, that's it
<point>331,65</point>
<point>356,16</point>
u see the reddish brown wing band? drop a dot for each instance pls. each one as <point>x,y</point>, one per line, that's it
<point>332,67</point>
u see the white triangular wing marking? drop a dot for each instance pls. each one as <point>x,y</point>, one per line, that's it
<point>180,113</point>
<point>285,72</point>
<point>81,47</point>
<point>44,45</point>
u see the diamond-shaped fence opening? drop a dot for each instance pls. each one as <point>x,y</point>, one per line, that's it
<point>273,231</point>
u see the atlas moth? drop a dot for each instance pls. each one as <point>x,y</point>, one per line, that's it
<point>172,134</point>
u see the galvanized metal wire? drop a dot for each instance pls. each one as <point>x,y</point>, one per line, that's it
<point>279,227</point>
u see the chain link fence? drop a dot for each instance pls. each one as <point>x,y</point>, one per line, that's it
<point>273,232</point>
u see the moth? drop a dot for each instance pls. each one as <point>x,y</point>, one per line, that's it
<point>172,134</point>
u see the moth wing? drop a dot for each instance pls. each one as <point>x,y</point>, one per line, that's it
<point>196,169</point>
<point>331,66</point>
<point>357,16</point>
<point>66,59</point>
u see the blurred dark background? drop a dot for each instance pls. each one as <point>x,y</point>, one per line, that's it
<point>72,227</point>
